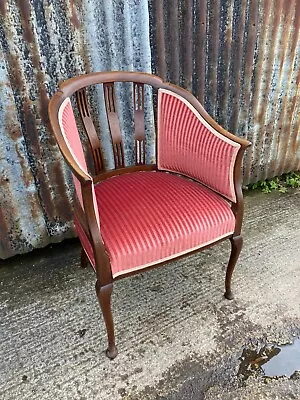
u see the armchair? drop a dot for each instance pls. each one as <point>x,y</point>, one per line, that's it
<point>137,217</point>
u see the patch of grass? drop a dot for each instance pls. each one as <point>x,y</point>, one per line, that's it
<point>279,183</point>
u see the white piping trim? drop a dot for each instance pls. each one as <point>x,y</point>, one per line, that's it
<point>171,257</point>
<point>209,127</point>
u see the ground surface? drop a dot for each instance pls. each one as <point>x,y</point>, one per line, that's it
<point>178,338</point>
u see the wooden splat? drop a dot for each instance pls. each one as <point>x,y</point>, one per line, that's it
<point>90,130</point>
<point>114,125</point>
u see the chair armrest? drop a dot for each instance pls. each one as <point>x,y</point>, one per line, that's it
<point>197,147</point>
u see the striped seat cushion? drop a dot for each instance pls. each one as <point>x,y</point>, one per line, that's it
<point>149,217</point>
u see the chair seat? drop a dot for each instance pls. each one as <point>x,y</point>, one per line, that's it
<point>151,217</point>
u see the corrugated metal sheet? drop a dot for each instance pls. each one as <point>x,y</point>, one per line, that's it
<point>238,57</point>
<point>241,60</point>
<point>43,42</point>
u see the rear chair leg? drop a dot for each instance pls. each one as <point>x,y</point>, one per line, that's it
<point>236,247</point>
<point>84,261</point>
<point>104,297</point>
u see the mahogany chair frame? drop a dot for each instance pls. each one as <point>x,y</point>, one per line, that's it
<point>87,217</point>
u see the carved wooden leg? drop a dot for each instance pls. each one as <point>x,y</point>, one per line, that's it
<point>104,297</point>
<point>236,247</point>
<point>84,261</point>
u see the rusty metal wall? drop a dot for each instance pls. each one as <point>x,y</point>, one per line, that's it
<point>41,43</point>
<point>241,59</point>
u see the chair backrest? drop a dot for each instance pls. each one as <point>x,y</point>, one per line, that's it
<point>189,142</point>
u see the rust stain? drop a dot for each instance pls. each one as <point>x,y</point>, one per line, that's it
<point>24,7</point>
<point>28,180</point>
<point>15,134</point>
<point>16,79</point>
<point>288,8</point>
<point>239,62</point>
<point>260,59</point>
<point>271,52</point>
<point>200,49</point>
<point>54,173</point>
<point>4,242</point>
<point>26,174</point>
<point>296,22</point>
<point>9,225</point>
<point>160,38</point>
<point>44,100</point>
<point>291,143</point>
<point>42,91</point>
<point>35,207</point>
<point>283,131</point>
<point>74,18</point>
<point>10,124</point>
<point>63,207</point>
<point>172,34</point>
<point>188,47</point>
<point>213,49</point>
<point>30,128</point>
<point>3,7</point>
<point>297,17</point>
<point>33,142</point>
<point>44,192</point>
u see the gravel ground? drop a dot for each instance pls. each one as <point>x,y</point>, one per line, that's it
<point>178,338</point>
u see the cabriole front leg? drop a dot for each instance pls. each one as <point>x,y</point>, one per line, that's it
<point>104,297</point>
<point>236,247</point>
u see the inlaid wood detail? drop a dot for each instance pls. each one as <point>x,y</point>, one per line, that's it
<point>139,122</point>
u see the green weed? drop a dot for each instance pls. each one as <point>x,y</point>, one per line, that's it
<point>279,183</point>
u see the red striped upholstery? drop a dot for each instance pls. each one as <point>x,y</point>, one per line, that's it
<point>148,217</point>
<point>189,145</point>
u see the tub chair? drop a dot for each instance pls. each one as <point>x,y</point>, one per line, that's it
<point>135,217</point>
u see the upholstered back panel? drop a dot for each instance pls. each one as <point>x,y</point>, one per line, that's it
<point>187,144</point>
<point>70,133</point>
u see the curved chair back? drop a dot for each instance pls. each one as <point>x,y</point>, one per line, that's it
<point>189,141</point>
